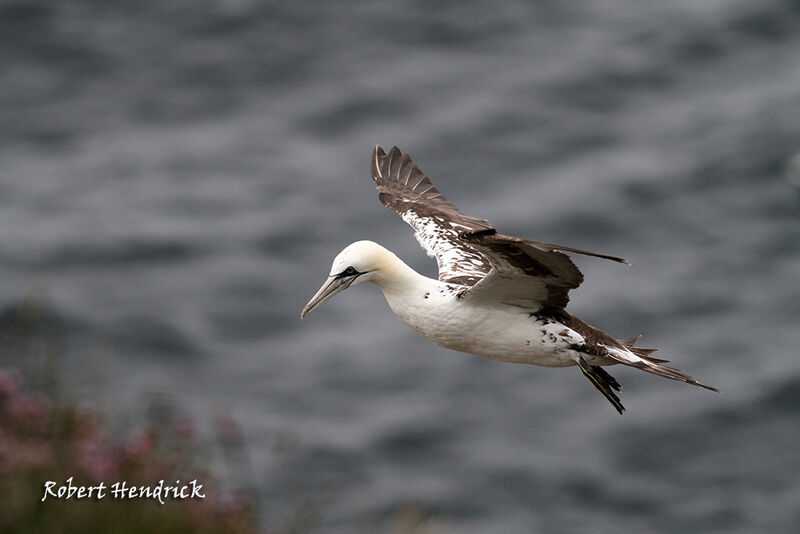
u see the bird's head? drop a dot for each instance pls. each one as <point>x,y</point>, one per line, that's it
<point>359,262</point>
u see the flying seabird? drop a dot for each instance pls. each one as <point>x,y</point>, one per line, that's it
<point>497,296</point>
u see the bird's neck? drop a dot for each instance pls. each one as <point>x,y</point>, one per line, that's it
<point>407,292</point>
<point>396,278</point>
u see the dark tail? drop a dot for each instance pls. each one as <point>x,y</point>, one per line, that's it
<point>655,365</point>
<point>668,372</point>
<point>604,382</point>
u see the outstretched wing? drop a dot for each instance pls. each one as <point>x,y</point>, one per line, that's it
<point>438,224</point>
<point>469,251</point>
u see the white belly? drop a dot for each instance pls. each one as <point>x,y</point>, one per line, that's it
<point>508,334</point>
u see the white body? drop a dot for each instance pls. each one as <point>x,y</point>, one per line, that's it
<point>504,333</point>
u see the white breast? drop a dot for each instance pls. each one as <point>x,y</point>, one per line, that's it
<point>501,333</point>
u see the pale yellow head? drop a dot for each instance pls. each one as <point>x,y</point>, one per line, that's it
<point>359,262</point>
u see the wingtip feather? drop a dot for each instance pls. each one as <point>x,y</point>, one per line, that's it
<point>375,164</point>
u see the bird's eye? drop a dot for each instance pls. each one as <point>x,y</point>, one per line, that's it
<point>350,271</point>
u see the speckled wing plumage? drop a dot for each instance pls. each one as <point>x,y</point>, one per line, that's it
<point>468,250</point>
<point>438,224</point>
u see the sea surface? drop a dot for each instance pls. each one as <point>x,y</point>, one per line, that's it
<point>176,177</point>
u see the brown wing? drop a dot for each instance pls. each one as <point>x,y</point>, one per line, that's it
<point>469,251</point>
<point>526,273</point>
<point>522,274</point>
<point>438,224</point>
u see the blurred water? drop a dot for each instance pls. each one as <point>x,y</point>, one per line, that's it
<point>176,177</point>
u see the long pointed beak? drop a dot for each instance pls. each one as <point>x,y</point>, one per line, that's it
<point>329,289</point>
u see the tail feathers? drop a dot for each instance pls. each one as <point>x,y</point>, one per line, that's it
<point>667,372</point>
<point>630,341</point>
<point>604,383</point>
<point>641,352</point>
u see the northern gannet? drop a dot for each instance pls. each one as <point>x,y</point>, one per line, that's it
<point>497,296</point>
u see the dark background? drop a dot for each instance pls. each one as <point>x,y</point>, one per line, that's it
<point>176,177</point>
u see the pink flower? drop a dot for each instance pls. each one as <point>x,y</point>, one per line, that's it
<point>28,409</point>
<point>141,444</point>
<point>98,459</point>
